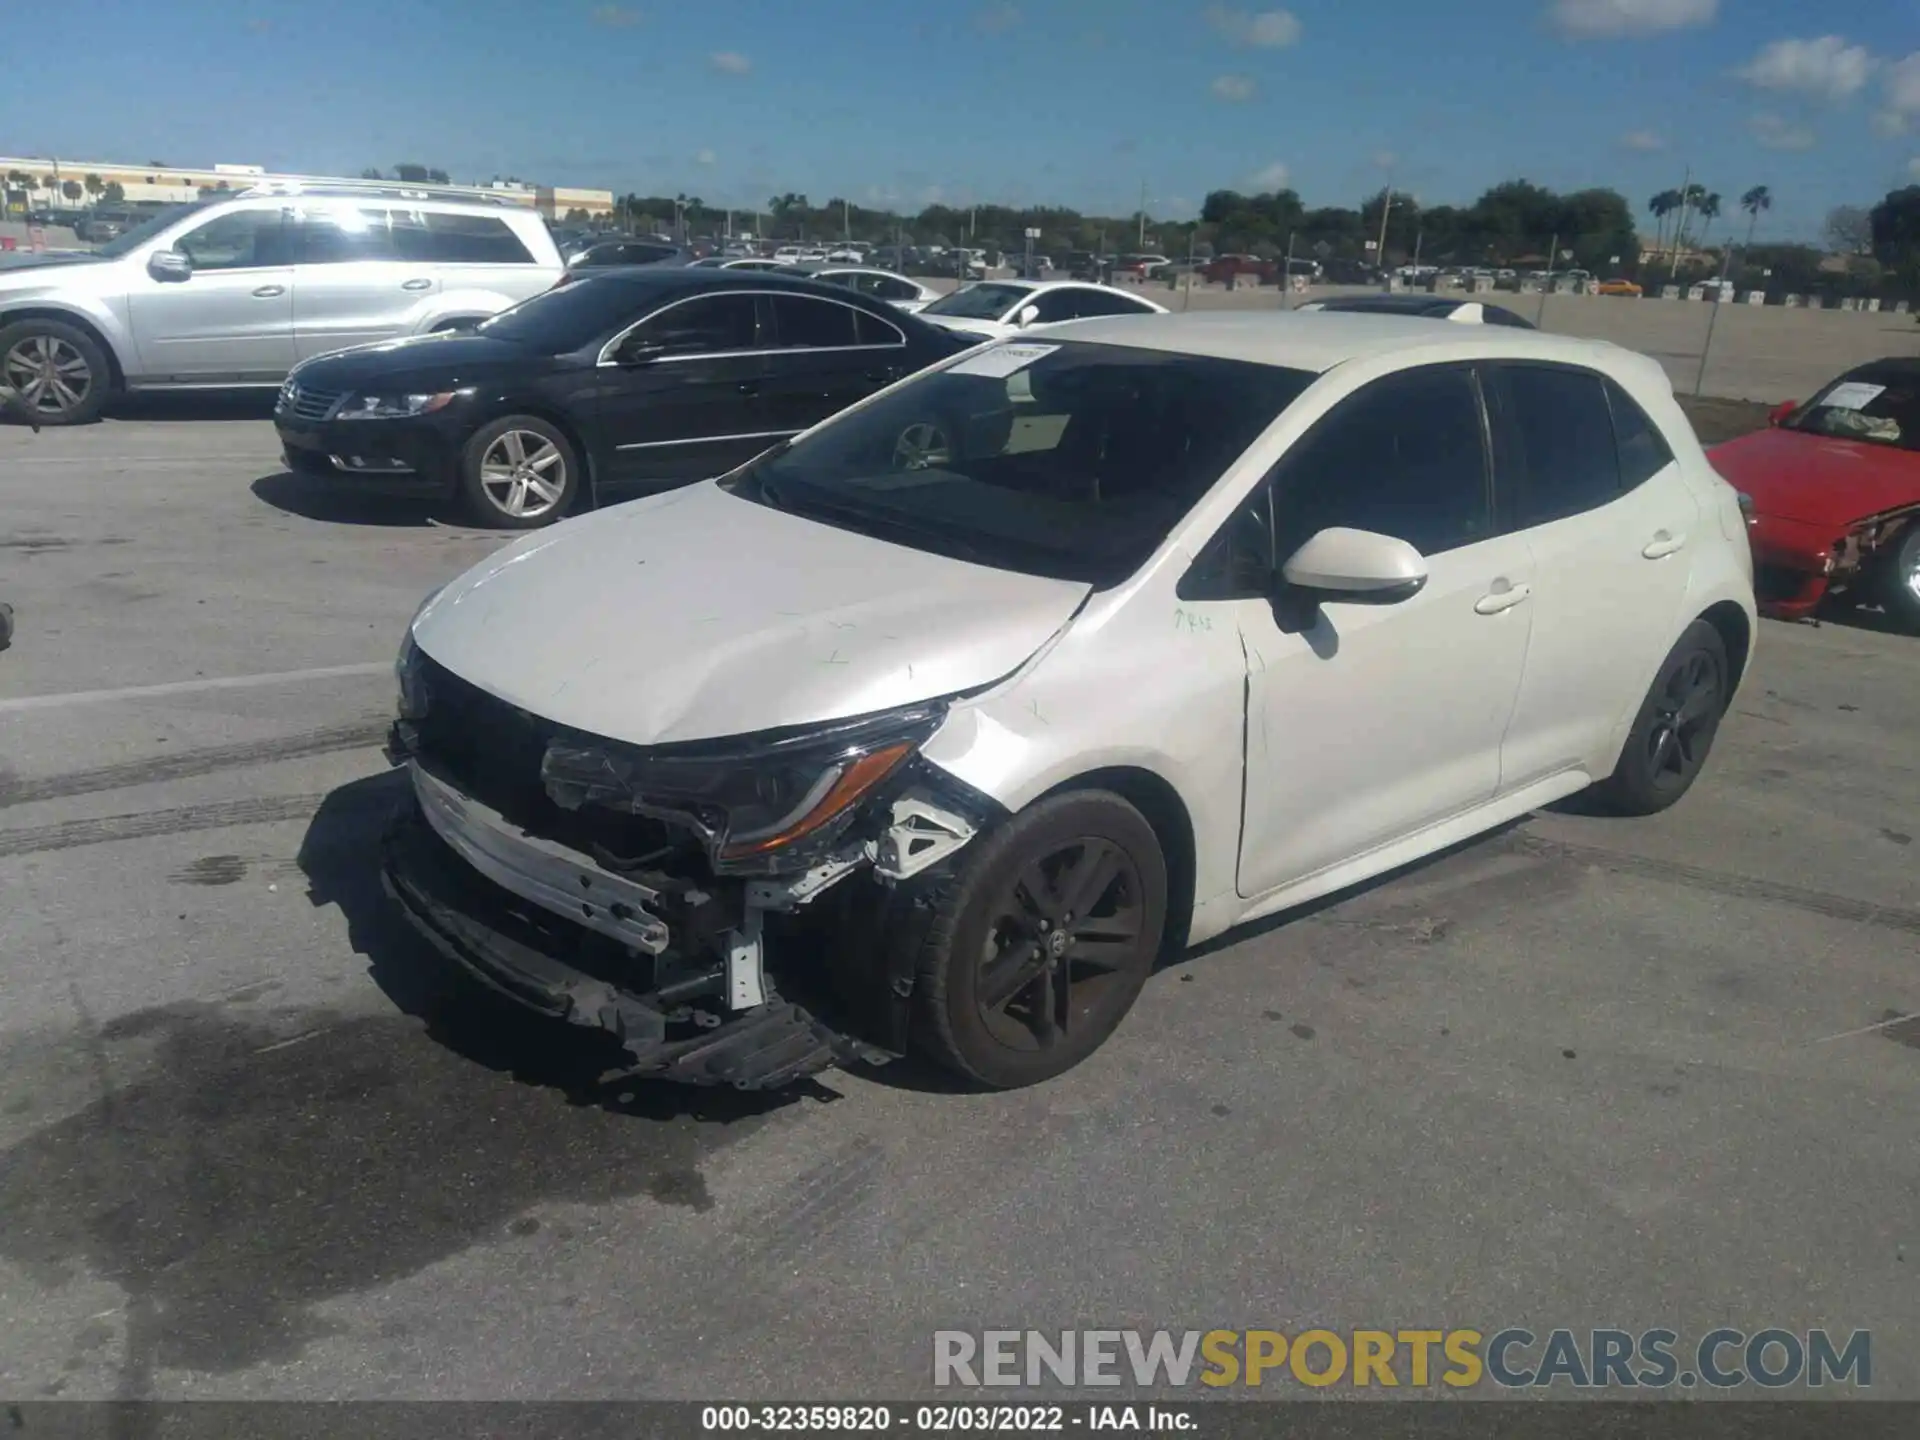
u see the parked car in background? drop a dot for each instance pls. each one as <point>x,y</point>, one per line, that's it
<point>628,380</point>
<point>601,253</point>
<point>897,290</point>
<point>1427,307</point>
<point>1224,269</point>
<point>1617,287</point>
<point>993,309</point>
<point>234,291</point>
<point>1834,486</point>
<point>1173,623</point>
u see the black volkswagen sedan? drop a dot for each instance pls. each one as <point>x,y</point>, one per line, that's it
<point>615,384</point>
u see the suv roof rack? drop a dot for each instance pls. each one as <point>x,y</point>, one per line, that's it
<point>391,189</point>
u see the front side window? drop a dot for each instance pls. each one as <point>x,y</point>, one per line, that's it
<point>711,324</point>
<point>1876,404</point>
<point>1567,459</point>
<point>238,240</point>
<point>979,302</point>
<point>1405,457</point>
<point>1064,459</point>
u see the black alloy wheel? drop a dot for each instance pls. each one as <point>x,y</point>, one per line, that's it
<point>1674,730</point>
<point>1042,944</point>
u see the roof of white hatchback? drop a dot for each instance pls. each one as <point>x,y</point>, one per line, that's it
<point>1320,340</point>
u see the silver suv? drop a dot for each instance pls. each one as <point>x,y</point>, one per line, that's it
<point>237,290</point>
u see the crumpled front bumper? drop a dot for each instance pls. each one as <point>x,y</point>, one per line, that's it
<point>560,969</point>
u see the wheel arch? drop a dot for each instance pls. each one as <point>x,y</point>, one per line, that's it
<point>1156,799</point>
<point>1736,633</point>
<point>11,315</point>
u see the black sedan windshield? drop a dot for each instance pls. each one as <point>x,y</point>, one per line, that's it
<point>1877,404</point>
<point>979,302</point>
<point>1071,460</point>
<point>570,318</point>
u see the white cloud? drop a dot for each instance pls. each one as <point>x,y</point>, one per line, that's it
<point>706,157</point>
<point>1913,167</point>
<point>1773,133</point>
<point>1617,19</point>
<point>995,19</point>
<point>1902,88</point>
<point>1233,87</point>
<point>1267,30</point>
<point>1274,177</point>
<point>1824,69</point>
<point>1889,123</point>
<point>1385,159</point>
<point>932,195</point>
<point>730,62</point>
<point>1645,141</point>
<point>615,17</point>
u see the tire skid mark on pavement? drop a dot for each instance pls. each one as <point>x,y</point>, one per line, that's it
<point>1738,887</point>
<point>360,734</point>
<point>72,834</point>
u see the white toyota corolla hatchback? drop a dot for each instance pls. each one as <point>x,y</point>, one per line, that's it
<point>941,723</point>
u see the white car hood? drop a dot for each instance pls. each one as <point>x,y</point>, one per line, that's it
<point>985,329</point>
<point>695,615</point>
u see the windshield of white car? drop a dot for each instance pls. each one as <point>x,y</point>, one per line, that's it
<point>147,229</point>
<point>1880,406</point>
<point>1076,463</point>
<point>979,302</point>
<point>558,322</point>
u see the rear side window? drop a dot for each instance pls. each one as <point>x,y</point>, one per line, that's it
<point>1567,460</point>
<point>342,236</point>
<point>803,322</point>
<point>872,330</point>
<point>464,240</point>
<point>1643,450</point>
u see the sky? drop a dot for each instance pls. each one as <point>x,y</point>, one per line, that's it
<point>1085,103</point>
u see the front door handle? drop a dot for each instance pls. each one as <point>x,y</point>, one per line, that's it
<point>883,377</point>
<point>1664,543</point>
<point>748,387</point>
<point>267,292</point>
<point>1503,598</point>
<point>416,285</point>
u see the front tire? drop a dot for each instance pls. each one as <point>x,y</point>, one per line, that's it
<point>1900,583</point>
<point>1672,734</point>
<point>59,372</point>
<point>519,473</point>
<point>1042,942</point>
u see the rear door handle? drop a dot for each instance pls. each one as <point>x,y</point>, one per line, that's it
<point>416,285</point>
<point>748,387</point>
<point>1494,601</point>
<point>267,292</point>
<point>1664,543</point>
<point>883,377</point>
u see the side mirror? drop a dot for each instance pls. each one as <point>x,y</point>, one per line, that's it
<point>1356,566</point>
<point>1781,411</point>
<point>1028,314</point>
<point>169,266</point>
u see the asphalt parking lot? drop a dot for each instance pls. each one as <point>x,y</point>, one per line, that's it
<point>254,1143</point>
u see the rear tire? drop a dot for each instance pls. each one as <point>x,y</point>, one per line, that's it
<point>519,473</point>
<point>1900,582</point>
<point>1041,944</point>
<point>1671,736</point>
<point>58,370</point>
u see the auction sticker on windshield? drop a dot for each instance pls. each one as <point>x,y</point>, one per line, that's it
<point>1003,360</point>
<point>1854,395</point>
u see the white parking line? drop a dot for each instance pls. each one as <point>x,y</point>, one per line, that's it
<point>193,687</point>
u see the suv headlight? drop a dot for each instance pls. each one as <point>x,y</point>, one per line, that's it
<point>761,804</point>
<point>393,407</point>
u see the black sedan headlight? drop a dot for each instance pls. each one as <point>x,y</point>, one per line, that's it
<point>396,406</point>
<point>761,804</point>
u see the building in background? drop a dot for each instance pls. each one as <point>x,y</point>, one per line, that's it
<point>172,185</point>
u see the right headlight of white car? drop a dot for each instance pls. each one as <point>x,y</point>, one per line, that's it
<point>408,672</point>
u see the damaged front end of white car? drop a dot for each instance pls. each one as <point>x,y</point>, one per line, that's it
<point>734,912</point>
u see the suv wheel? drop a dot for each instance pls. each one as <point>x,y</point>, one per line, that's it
<point>56,369</point>
<point>519,473</point>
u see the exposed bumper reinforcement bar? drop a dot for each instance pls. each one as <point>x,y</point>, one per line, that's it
<point>470,920</point>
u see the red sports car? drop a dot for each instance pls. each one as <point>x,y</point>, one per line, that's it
<point>1835,494</point>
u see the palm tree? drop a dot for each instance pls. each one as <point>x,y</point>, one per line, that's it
<point>1708,209</point>
<point>1661,206</point>
<point>1753,202</point>
<point>95,185</point>
<point>71,189</point>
